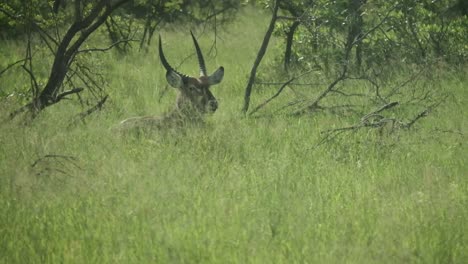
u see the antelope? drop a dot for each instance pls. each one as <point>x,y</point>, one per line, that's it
<point>194,97</point>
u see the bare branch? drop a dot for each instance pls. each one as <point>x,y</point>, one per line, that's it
<point>11,65</point>
<point>81,116</point>
<point>33,78</point>
<point>376,120</point>
<point>322,95</point>
<point>350,43</point>
<point>416,118</point>
<point>215,13</point>
<point>377,26</point>
<point>271,98</point>
<point>107,48</point>
<point>293,83</point>
<point>277,93</point>
<point>72,91</point>
<point>288,18</point>
<point>385,107</point>
<point>413,77</point>
<point>424,113</point>
<point>56,156</point>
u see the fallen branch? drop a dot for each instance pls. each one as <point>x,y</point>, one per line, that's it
<point>372,119</point>
<point>424,113</point>
<point>51,163</point>
<point>375,119</point>
<point>385,107</point>
<point>55,156</point>
<point>81,116</point>
<point>416,118</point>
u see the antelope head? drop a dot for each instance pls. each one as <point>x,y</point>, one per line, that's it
<point>194,93</point>
<point>194,98</point>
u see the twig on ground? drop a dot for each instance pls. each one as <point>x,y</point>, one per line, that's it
<point>81,116</point>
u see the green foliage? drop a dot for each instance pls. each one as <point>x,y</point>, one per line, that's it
<point>178,11</point>
<point>18,18</point>
<point>409,31</point>
<point>18,15</point>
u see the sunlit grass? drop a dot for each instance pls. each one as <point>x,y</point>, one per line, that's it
<point>238,190</point>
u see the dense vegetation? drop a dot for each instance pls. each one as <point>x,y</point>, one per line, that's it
<point>256,188</point>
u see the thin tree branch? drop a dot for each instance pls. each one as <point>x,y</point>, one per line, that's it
<point>271,98</point>
<point>351,41</point>
<point>288,18</point>
<point>11,65</point>
<point>416,118</point>
<point>363,36</point>
<point>81,116</point>
<point>324,93</point>
<point>107,48</point>
<point>385,107</point>
<point>72,91</point>
<point>278,92</point>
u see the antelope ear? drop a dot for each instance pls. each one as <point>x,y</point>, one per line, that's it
<point>217,76</point>
<point>174,79</point>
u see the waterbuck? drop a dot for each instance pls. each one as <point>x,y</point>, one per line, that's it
<point>194,97</point>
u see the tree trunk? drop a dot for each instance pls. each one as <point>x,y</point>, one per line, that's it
<point>66,51</point>
<point>289,42</point>
<point>261,53</point>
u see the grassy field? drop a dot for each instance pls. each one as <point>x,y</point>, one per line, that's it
<point>238,190</point>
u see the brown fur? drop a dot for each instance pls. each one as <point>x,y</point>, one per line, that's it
<point>193,101</point>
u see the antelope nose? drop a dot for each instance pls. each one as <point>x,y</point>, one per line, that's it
<point>213,105</point>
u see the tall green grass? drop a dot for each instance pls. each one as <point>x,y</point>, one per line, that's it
<point>237,190</point>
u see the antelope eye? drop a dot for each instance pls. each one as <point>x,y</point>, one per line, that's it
<point>194,89</point>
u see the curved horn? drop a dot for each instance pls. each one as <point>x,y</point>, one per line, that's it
<point>165,63</point>
<point>201,61</point>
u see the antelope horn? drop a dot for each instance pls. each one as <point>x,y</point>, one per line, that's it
<point>201,61</point>
<point>165,63</point>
